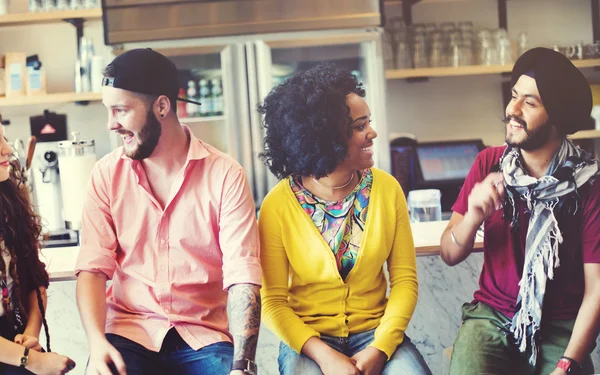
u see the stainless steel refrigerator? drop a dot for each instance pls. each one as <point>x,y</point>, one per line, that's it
<point>231,75</point>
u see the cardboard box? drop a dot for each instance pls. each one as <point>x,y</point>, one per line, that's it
<point>15,74</point>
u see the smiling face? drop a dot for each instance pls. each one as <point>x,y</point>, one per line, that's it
<point>360,143</point>
<point>527,123</point>
<point>134,120</point>
<point>5,154</point>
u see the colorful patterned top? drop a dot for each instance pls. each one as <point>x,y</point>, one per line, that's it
<point>340,223</point>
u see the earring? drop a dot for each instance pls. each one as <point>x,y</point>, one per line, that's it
<point>161,115</point>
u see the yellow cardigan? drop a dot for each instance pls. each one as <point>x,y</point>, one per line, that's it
<point>303,294</point>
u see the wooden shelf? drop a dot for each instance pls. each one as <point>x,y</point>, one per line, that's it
<point>57,98</point>
<point>48,17</point>
<point>193,120</point>
<point>585,134</point>
<point>468,70</point>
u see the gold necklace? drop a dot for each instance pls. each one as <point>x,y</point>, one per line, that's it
<point>335,187</point>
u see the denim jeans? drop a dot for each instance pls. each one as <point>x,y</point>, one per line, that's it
<point>174,357</point>
<point>406,359</point>
<point>12,370</point>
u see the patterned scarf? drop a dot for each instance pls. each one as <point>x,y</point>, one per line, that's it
<point>570,168</point>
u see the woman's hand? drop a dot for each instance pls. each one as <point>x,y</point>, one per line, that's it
<point>49,364</point>
<point>370,361</point>
<point>338,364</point>
<point>29,341</point>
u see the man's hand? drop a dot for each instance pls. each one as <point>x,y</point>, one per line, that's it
<point>486,197</point>
<point>28,341</point>
<point>370,361</point>
<point>102,353</point>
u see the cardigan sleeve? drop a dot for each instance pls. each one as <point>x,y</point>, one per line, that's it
<point>277,314</point>
<point>402,269</point>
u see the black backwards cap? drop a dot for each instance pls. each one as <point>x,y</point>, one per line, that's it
<point>564,90</point>
<point>145,71</point>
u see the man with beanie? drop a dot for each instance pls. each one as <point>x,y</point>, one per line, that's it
<point>537,310</point>
<point>171,222</point>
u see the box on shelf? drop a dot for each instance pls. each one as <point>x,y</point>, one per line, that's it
<point>36,81</point>
<point>15,75</point>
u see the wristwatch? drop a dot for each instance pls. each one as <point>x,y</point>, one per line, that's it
<point>25,358</point>
<point>569,365</point>
<point>246,365</point>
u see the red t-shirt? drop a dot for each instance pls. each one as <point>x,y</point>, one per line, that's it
<point>503,259</point>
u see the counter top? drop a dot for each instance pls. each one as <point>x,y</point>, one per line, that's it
<point>60,261</point>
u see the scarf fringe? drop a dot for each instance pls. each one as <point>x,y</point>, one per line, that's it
<point>544,197</point>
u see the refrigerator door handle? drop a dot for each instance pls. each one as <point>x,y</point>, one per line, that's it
<point>256,131</point>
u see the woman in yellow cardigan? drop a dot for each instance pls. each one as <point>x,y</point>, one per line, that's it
<point>326,231</point>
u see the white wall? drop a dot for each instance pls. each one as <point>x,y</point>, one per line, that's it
<point>472,106</point>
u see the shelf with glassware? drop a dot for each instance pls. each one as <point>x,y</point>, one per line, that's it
<point>28,18</point>
<point>468,70</point>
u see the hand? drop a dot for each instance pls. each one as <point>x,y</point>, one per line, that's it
<point>102,353</point>
<point>370,361</point>
<point>338,364</point>
<point>486,197</point>
<point>28,341</point>
<point>237,372</point>
<point>49,363</point>
<point>558,371</point>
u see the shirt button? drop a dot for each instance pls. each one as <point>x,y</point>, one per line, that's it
<point>163,241</point>
<point>163,268</point>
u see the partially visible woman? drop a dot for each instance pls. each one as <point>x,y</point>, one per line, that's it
<point>326,231</point>
<point>23,278</point>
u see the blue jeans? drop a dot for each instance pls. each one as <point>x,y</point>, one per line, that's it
<point>406,359</point>
<point>174,357</point>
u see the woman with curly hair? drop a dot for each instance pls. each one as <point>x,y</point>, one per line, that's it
<point>326,231</point>
<point>23,278</point>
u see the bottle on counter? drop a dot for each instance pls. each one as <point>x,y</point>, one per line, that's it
<point>205,99</point>
<point>191,108</point>
<point>217,97</point>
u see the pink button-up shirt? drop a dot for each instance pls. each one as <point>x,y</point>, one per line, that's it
<point>171,267</point>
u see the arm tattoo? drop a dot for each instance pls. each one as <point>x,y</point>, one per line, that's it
<point>243,310</point>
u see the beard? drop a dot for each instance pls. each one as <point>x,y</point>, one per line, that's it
<point>533,139</point>
<point>147,138</point>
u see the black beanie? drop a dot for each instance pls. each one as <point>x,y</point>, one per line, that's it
<point>564,91</point>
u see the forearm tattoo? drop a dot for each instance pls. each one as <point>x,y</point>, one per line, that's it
<point>243,310</point>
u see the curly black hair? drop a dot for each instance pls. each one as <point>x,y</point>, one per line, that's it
<point>307,122</point>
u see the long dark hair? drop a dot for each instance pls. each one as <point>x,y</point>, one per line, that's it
<point>20,229</point>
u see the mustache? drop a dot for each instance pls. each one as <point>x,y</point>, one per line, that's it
<point>516,119</point>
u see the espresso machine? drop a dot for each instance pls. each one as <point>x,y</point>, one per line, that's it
<point>44,172</point>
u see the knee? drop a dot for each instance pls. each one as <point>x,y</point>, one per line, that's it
<point>407,360</point>
<point>292,363</point>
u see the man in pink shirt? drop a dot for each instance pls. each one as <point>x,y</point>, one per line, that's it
<point>171,221</point>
